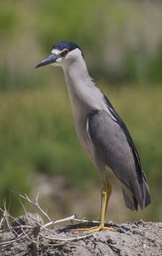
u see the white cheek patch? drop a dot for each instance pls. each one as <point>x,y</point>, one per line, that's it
<point>56,51</point>
<point>59,59</point>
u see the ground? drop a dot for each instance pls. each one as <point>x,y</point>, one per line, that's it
<point>29,235</point>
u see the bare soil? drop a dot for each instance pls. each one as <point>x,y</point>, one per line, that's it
<point>29,236</point>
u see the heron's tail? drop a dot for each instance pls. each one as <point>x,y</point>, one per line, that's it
<point>140,196</point>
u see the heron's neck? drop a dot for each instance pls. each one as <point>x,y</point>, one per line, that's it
<point>77,78</point>
<point>81,89</point>
<point>76,75</point>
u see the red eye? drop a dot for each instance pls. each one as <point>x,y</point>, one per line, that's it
<point>65,52</point>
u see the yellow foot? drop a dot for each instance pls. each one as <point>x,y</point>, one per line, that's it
<point>94,229</point>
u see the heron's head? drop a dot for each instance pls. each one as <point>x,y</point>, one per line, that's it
<point>63,53</point>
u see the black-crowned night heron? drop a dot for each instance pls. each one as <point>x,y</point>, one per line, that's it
<point>100,130</point>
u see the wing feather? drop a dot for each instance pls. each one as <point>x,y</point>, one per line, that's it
<point>115,147</point>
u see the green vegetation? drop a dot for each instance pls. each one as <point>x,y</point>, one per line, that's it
<point>122,44</point>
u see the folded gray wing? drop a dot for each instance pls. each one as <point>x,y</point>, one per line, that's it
<point>113,147</point>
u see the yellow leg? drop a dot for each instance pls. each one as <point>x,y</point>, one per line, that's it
<point>107,190</point>
<point>105,195</point>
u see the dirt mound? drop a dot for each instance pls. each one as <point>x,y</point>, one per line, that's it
<point>28,235</point>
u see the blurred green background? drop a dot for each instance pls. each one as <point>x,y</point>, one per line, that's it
<point>39,151</point>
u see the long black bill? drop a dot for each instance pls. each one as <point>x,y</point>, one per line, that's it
<point>48,60</point>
